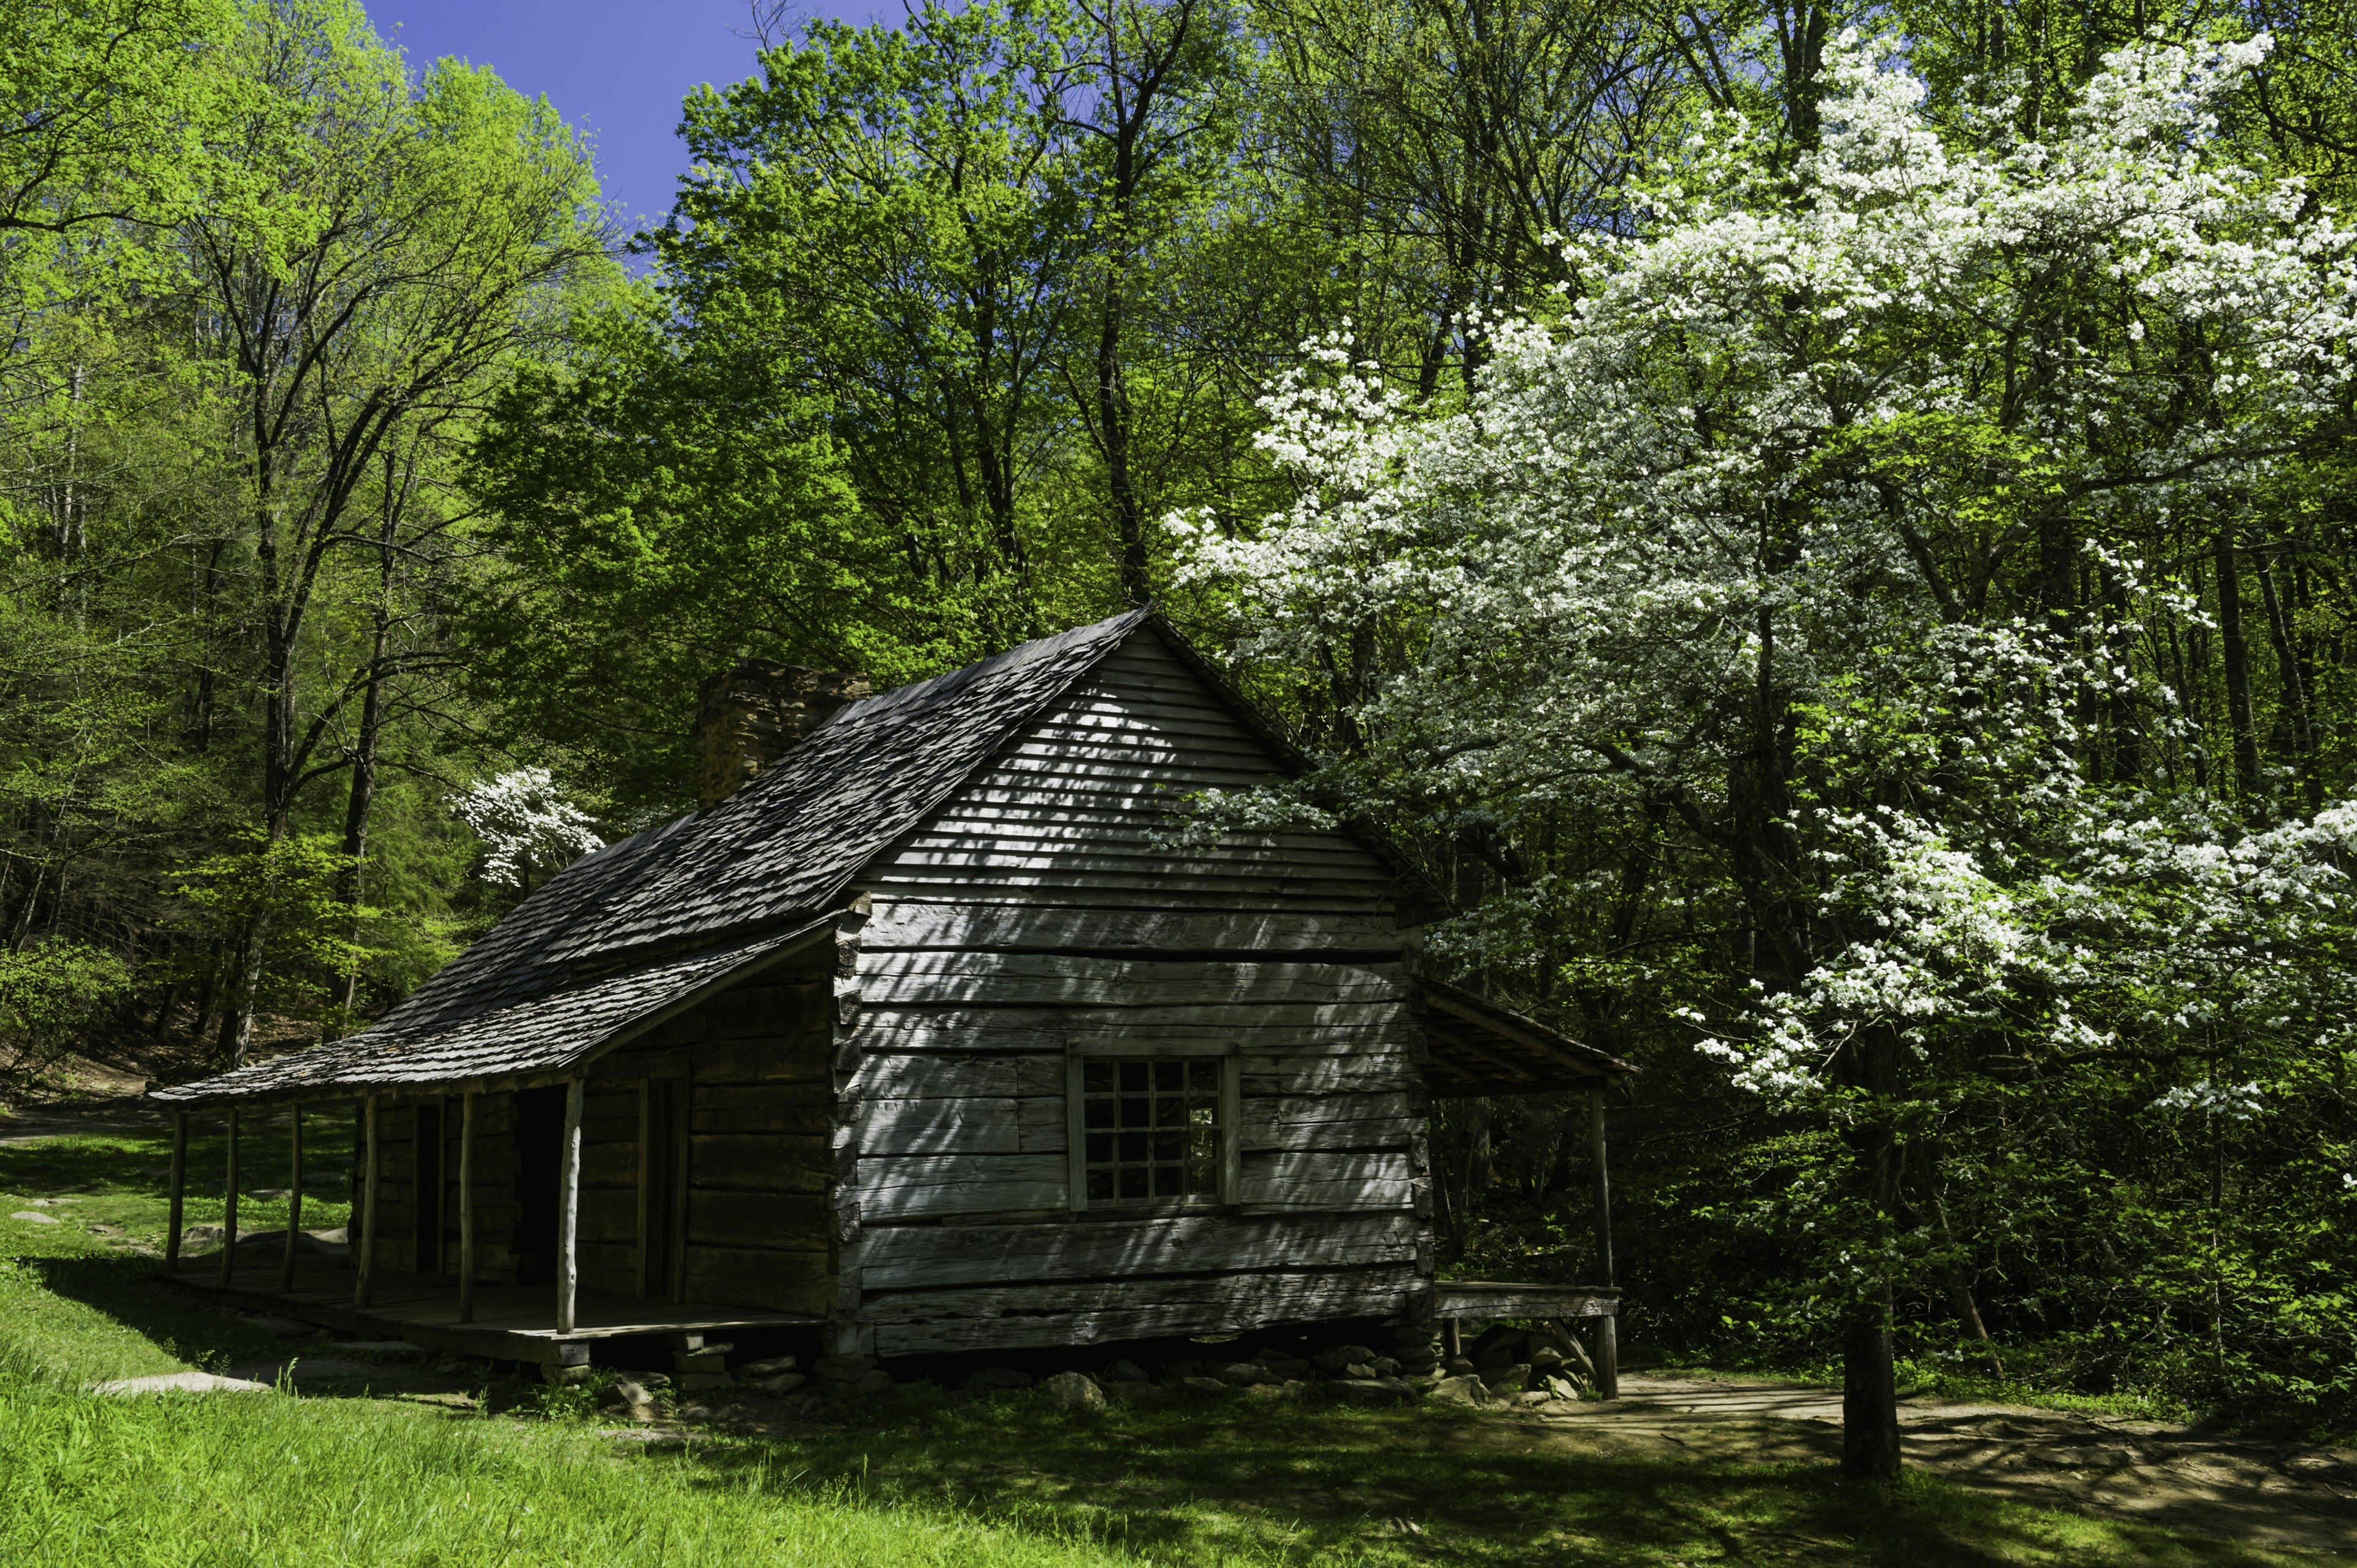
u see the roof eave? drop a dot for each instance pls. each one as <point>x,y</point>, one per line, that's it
<point>793,943</point>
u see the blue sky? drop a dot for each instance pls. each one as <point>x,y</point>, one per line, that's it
<point>616,67</point>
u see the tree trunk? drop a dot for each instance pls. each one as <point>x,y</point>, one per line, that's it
<point>1869,1393</point>
<point>2294,685</point>
<point>1968,1318</point>
<point>1113,420</point>
<point>356,817</point>
<point>2238,667</point>
<point>1869,1066</point>
<point>237,1022</point>
<point>363,794</point>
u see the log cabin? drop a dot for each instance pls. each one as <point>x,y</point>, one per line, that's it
<point>924,1030</point>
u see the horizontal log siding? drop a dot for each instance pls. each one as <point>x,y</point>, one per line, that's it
<point>608,1238</point>
<point>759,1091</point>
<point>758,1229</point>
<point>1034,918</point>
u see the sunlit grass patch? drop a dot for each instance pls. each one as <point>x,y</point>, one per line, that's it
<point>924,1476</point>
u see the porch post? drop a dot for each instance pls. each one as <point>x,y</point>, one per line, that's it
<point>364,1275</point>
<point>179,1186</point>
<point>568,1207</point>
<point>1608,1348</point>
<point>466,1207</point>
<point>229,1204</point>
<point>294,1199</point>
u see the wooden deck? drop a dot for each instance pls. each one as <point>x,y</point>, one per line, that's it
<point>1504,1298</point>
<point>512,1323</point>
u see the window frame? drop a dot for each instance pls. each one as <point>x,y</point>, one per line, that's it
<point>1231,1160</point>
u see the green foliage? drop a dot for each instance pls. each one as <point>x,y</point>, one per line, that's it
<point>663,510</point>
<point>292,891</point>
<point>49,991</point>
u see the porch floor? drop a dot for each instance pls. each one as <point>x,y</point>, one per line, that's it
<point>512,1323</point>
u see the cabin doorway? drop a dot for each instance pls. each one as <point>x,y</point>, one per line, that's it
<point>540,1147</point>
<point>661,1105</point>
<point>426,1155</point>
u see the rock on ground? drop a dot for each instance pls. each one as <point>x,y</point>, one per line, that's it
<point>34,1216</point>
<point>777,1383</point>
<point>1074,1391</point>
<point>1464,1389</point>
<point>182,1382</point>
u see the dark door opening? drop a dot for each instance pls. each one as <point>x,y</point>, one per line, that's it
<point>539,1147</point>
<point>426,1158</point>
<point>657,1187</point>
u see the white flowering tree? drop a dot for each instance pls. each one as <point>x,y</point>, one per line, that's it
<point>1776,540</point>
<point>526,826</point>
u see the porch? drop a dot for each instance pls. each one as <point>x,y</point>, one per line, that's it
<point>510,1322</point>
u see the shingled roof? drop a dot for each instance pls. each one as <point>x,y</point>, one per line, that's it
<point>639,929</point>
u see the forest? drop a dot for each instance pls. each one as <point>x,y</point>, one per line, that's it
<point>1828,529</point>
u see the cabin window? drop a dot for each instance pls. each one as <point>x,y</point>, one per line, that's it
<point>1153,1130</point>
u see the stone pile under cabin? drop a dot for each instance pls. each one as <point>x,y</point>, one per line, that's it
<point>921,1036</point>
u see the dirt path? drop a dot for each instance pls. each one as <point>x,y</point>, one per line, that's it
<point>2275,1493</point>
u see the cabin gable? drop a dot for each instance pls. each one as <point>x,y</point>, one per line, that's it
<point>1032,927</point>
<point>1066,815</point>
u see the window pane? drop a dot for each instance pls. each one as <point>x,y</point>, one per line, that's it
<point>1152,1129</point>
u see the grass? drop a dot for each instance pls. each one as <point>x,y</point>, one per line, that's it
<point>923,1477</point>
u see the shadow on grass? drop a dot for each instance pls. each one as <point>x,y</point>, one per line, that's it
<point>1309,1484</point>
<point>130,1291</point>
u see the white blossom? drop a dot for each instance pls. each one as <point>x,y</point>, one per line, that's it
<point>1704,476</point>
<point>2238,1103</point>
<point>526,824</point>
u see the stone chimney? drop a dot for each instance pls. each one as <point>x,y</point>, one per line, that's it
<point>750,716</point>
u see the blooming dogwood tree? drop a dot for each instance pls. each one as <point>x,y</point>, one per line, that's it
<point>1775,533</point>
<point>525,824</point>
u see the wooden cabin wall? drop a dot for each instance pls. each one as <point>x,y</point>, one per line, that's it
<point>755,1091</point>
<point>497,1211</point>
<point>396,1206</point>
<point>1034,918</point>
<point>758,1232</point>
<point>607,1246</point>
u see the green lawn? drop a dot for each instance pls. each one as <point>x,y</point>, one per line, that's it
<point>925,1478</point>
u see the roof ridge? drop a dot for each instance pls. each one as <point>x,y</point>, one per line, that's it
<point>840,820</point>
